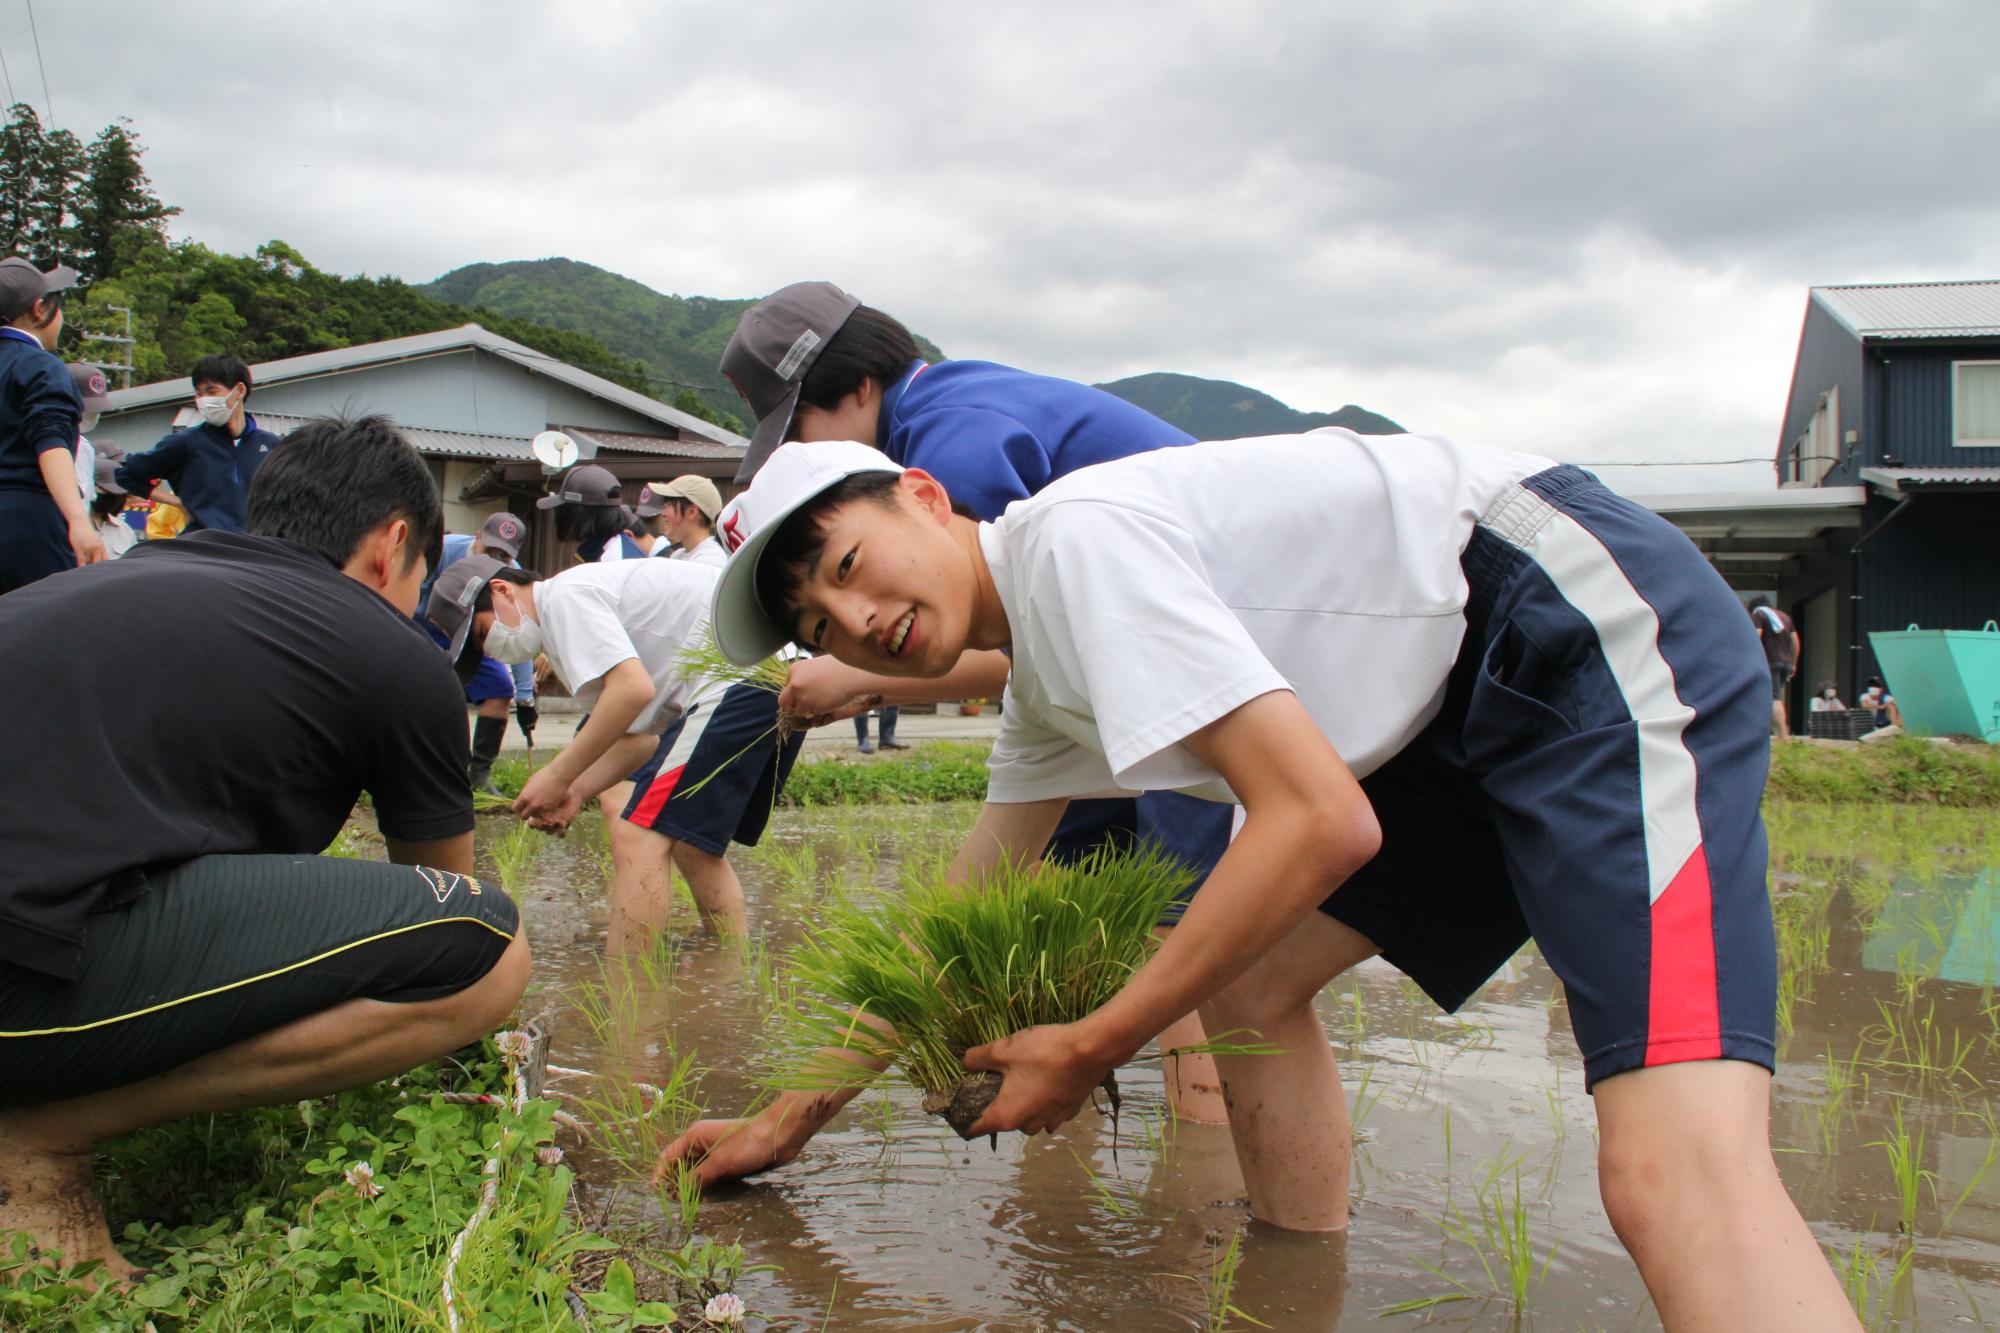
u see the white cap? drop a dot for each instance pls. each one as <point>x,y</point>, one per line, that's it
<point>791,477</point>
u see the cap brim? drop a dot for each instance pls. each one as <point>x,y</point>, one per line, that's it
<point>770,433</point>
<point>744,632</point>
<point>512,550</point>
<point>550,501</point>
<point>60,278</point>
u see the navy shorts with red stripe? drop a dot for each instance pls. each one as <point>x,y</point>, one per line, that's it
<point>716,772</point>
<point>1594,779</point>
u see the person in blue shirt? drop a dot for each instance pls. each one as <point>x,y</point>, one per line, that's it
<point>45,525</point>
<point>208,465</point>
<point>494,683</point>
<point>815,364</point>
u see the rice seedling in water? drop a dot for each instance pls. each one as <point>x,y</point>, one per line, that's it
<point>514,853</point>
<point>918,980</point>
<point>1906,1168</point>
<point>1219,1288</point>
<point>1501,1238</point>
<point>1870,1292</point>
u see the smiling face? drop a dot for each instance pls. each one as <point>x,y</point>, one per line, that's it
<point>898,586</point>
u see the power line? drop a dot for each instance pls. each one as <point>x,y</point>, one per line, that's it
<point>47,103</point>
<point>9,77</point>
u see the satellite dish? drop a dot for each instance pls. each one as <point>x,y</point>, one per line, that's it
<point>556,450</point>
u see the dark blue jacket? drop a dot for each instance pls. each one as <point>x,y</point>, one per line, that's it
<point>209,471</point>
<point>39,411</point>
<point>994,435</point>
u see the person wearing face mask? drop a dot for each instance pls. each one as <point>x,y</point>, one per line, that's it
<point>703,760</point>
<point>210,464</point>
<point>45,524</point>
<point>1827,699</point>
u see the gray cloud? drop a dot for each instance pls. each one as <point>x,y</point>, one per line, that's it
<point>1568,226</point>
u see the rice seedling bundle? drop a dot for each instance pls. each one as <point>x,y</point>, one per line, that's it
<point>917,980</point>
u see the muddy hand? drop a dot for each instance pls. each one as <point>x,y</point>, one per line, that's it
<point>722,1150</point>
<point>1045,1079</point>
<point>543,797</point>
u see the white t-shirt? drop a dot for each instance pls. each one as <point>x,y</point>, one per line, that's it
<point>709,553</point>
<point>1149,596</point>
<point>118,537</point>
<point>595,616</point>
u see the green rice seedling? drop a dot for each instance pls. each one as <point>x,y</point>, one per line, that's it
<point>1871,1292</point>
<point>794,864</point>
<point>1906,1168</point>
<point>1109,1192</point>
<point>1992,1156</point>
<point>630,1124</point>
<point>704,660</point>
<point>1219,1286</point>
<point>1841,1081</point>
<point>514,853</point>
<point>1365,1099</point>
<point>917,980</point>
<point>1503,1240</point>
<point>1157,1130</point>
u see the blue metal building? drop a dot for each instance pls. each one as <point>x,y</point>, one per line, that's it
<point>1896,389</point>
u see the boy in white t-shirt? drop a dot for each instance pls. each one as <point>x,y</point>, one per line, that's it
<point>1408,661</point>
<point>702,755</point>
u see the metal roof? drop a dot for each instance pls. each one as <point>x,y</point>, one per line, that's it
<point>1915,309</point>
<point>466,336</point>
<point>1899,481</point>
<point>442,443</point>
<point>503,448</point>
<point>619,440</point>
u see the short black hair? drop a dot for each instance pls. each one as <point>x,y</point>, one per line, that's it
<point>520,578</point>
<point>218,368</point>
<point>1760,604</point>
<point>109,504</point>
<point>333,481</point>
<point>583,524</point>
<point>870,345</point>
<point>638,527</point>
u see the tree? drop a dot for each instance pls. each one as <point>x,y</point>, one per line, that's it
<point>20,163</point>
<point>117,212</point>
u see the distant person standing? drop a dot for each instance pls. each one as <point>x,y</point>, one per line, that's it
<point>685,509</point>
<point>1780,638</point>
<point>209,465</point>
<point>494,683</point>
<point>45,525</point>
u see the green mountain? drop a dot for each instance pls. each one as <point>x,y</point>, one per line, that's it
<point>1222,410</point>
<point>679,340</point>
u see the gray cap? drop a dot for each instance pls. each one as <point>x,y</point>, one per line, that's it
<point>771,351</point>
<point>454,595</point>
<point>22,284</point>
<point>91,386</point>
<point>587,484</point>
<point>109,456</point>
<point>503,532</point>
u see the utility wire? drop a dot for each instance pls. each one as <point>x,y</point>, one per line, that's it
<point>4,71</point>
<point>47,103</point>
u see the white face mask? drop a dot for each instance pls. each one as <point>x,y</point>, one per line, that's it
<point>89,422</point>
<point>514,643</point>
<point>215,411</point>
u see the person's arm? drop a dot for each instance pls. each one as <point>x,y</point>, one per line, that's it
<point>729,1149</point>
<point>1307,827</point>
<point>452,854</point>
<point>821,690</point>
<point>58,467</point>
<point>626,692</point>
<point>163,462</point>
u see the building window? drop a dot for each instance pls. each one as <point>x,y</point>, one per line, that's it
<point>1975,404</point>
<point>1812,455</point>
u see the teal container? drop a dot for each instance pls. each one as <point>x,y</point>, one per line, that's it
<point>1946,681</point>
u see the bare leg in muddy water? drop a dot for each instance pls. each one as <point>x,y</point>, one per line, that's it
<point>45,1151</point>
<point>1288,1112</point>
<point>1194,1089</point>
<point>642,886</point>
<point>1686,1171</point>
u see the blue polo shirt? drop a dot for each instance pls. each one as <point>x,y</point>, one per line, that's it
<point>994,435</point>
<point>39,410</point>
<point>457,546</point>
<point>210,472</point>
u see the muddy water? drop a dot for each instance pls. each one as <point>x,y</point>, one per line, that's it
<point>888,1222</point>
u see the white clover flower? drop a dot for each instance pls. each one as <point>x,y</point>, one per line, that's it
<point>362,1177</point>
<point>514,1043</point>
<point>727,1308</point>
<point>548,1154</point>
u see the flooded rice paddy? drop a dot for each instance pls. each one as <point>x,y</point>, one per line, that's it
<point>1474,1165</point>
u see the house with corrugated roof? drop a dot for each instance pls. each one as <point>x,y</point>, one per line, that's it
<point>1895,394</point>
<point>470,401</point>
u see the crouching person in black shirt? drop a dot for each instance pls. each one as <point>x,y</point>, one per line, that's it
<point>170,942</point>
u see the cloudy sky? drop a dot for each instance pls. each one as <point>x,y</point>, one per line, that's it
<point>1585,229</point>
